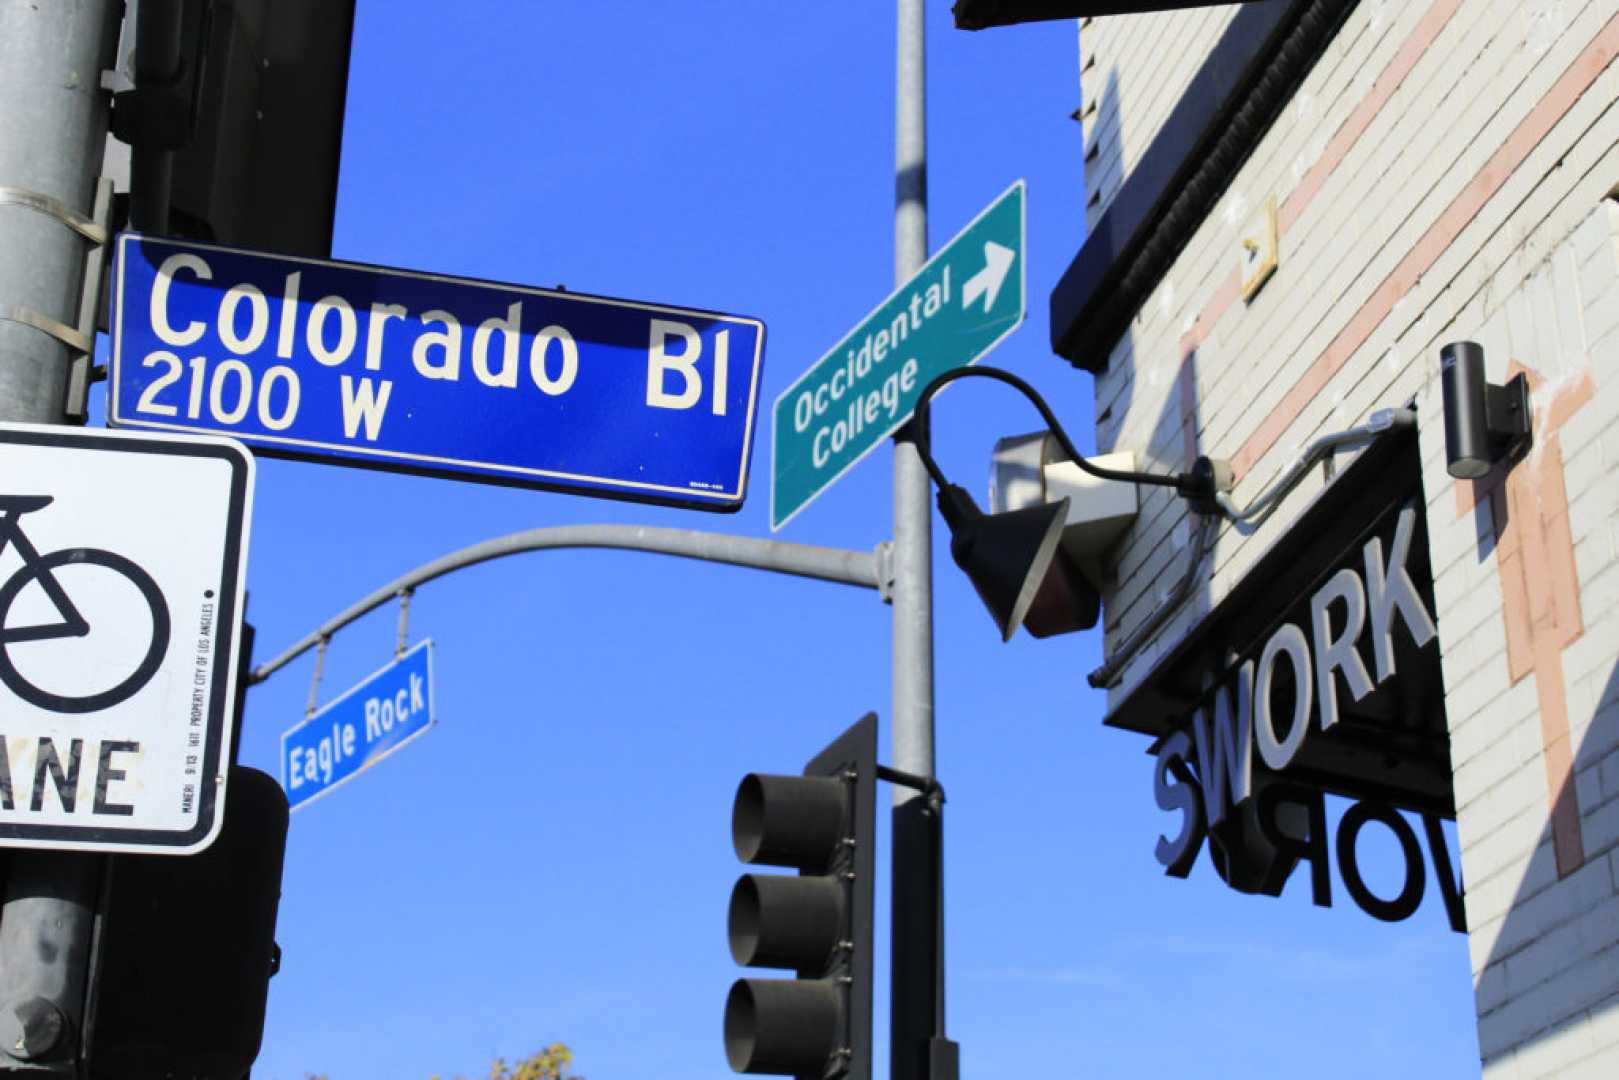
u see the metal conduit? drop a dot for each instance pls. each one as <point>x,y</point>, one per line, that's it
<point>862,568</point>
<point>1247,520</point>
<point>1108,673</point>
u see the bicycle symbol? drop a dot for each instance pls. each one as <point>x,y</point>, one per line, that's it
<point>41,568</point>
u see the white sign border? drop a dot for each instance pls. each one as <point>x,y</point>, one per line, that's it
<point>213,784</point>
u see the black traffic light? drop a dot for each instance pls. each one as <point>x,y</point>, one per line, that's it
<point>253,115</point>
<point>187,948</point>
<point>818,924</point>
<point>981,14</point>
<point>262,169</point>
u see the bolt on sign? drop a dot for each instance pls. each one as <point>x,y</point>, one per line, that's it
<point>363,365</point>
<point>122,560</point>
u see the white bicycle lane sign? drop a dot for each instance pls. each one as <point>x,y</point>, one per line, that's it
<point>122,565</point>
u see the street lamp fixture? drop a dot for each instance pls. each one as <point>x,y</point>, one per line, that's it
<point>1014,558</point>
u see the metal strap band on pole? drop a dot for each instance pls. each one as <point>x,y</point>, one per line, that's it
<point>91,229</point>
<point>45,324</point>
<point>80,339</point>
<point>799,560</point>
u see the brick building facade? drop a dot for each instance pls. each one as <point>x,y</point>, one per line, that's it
<point>1431,171</point>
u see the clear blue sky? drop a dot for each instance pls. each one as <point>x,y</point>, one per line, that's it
<point>553,862</point>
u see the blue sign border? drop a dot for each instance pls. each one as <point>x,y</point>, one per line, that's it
<point>711,497</point>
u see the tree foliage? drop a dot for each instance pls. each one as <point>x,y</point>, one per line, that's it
<point>549,1064</point>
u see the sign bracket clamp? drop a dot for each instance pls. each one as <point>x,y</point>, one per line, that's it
<point>404,620</point>
<point>884,553</point>
<point>314,681</point>
<point>931,789</point>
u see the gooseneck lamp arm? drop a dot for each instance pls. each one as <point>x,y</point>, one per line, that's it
<point>1011,557</point>
<point>1197,485</point>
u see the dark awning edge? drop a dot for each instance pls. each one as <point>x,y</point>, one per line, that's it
<point>1230,104</point>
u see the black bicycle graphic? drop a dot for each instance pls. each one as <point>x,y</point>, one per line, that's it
<point>41,568</point>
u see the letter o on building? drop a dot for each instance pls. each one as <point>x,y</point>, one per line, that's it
<point>1402,906</point>
<point>1289,641</point>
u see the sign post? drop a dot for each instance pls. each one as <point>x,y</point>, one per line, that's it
<point>948,314</point>
<point>363,365</point>
<point>122,562</point>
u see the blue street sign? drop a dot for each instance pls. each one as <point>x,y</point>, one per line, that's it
<point>362,365</point>
<point>359,729</point>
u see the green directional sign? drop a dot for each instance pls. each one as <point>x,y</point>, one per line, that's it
<point>955,309</point>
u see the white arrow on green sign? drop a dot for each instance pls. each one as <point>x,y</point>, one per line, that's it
<point>955,309</point>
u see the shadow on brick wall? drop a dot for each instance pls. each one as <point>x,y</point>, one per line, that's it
<point>1170,445</point>
<point>1553,963</point>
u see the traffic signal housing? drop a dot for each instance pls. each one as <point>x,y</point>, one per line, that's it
<point>254,119</point>
<point>261,170</point>
<point>818,924</point>
<point>187,949</point>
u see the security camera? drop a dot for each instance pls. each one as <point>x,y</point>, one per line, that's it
<point>1484,423</point>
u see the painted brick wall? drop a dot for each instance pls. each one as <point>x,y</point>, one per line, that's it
<point>1133,69</point>
<point>1443,173</point>
<point>1543,926</point>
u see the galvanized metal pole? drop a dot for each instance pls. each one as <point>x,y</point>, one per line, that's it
<point>53,125</point>
<point>916,1007</point>
<point>913,521</point>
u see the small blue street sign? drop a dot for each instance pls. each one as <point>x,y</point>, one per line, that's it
<point>387,710</point>
<point>362,365</point>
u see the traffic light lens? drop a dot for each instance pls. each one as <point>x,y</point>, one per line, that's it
<point>785,922</point>
<point>792,821</point>
<point>782,1026</point>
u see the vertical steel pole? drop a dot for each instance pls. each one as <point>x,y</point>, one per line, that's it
<point>913,509</point>
<point>916,1005</point>
<point>53,127</point>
